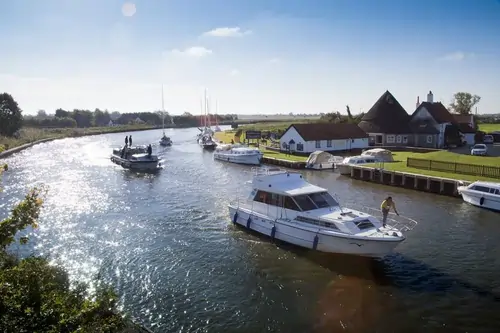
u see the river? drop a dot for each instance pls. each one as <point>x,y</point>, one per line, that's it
<point>166,244</point>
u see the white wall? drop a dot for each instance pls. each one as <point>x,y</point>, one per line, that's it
<point>337,145</point>
<point>289,135</point>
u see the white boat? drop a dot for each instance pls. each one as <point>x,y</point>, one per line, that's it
<point>165,141</point>
<point>236,153</point>
<point>284,206</point>
<point>135,158</point>
<point>345,167</point>
<point>206,142</point>
<point>320,160</point>
<point>481,194</point>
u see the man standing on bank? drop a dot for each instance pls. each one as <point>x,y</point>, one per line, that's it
<point>386,206</point>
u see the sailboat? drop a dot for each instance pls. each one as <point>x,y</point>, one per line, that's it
<point>205,139</point>
<point>165,140</point>
<point>217,128</point>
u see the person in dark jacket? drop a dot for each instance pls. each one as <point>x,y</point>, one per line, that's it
<point>126,141</point>
<point>130,140</point>
<point>150,150</point>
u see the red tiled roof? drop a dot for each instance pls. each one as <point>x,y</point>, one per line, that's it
<point>328,131</point>
<point>463,118</point>
<point>465,128</point>
<point>438,111</point>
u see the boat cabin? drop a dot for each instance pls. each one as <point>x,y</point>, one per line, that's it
<point>485,187</point>
<point>361,159</point>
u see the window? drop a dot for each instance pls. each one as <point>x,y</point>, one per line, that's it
<point>405,139</point>
<point>319,200</point>
<point>317,222</point>
<point>300,147</point>
<point>429,138</point>
<point>364,224</point>
<point>399,139</point>
<point>305,202</point>
<point>331,201</point>
<point>497,192</point>
<point>318,144</point>
<point>328,143</point>
<point>290,204</point>
<point>390,139</point>
<point>481,188</point>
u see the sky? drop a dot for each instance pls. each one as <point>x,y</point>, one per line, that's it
<point>251,56</point>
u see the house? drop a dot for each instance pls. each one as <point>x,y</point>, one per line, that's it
<point>110,123</point>
<point>307,138</point>
<point>433,117</point>
<point>467,126</point>
<point>387,123</point>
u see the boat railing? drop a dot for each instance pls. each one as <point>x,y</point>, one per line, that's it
<point>265,171</point>
<point>404,224</point>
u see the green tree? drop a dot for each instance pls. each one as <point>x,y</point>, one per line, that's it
<point>38,297</point>
<point>463,102</point>
<point>11,117</point>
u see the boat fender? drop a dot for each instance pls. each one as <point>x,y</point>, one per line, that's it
<point>249,221</point>
<point>273,232</point>
<point>481,201</point>
<point>235,217</point>
<point>315,243</point>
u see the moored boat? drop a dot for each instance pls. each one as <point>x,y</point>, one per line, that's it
<point>236,153</point>
<point>481,194</point>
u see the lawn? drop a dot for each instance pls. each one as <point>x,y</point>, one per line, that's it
<point>444,156</point>
<point>28,134</point>
<point>489,127</point>
<point>275,126</point>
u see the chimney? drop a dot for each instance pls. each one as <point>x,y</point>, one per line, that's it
<point>418,101</point>
<point>430,97</point>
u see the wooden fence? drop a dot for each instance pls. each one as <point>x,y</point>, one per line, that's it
<point>462,168</point>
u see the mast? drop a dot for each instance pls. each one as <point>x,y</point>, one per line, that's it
<point>205,106</point>
<point>163,109</point>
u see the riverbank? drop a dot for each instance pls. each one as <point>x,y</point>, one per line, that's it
<point>32,136</point>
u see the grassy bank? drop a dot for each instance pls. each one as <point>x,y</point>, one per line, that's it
<point>28,135</point>
<point>443,156</point>
<point>489,127</point>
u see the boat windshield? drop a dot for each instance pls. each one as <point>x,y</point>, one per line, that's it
<point>315,200</point>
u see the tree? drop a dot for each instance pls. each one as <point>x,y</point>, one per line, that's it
<point>11,118</point>
<point>41,114</point>
<point>349,115</point>
<point>463,102</point>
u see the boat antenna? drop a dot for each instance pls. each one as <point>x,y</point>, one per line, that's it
<point>338,201</point>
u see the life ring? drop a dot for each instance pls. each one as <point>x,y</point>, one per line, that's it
<point>481,201</point>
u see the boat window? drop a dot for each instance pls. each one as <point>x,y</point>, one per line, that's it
<point>320,223</point>
<point>290,204</point>
<point>331,201</point>
<point>481,188</point>
<point>364,224</point>
<point>305,202</point>
<point>263,197</point>
<point>319,200</point>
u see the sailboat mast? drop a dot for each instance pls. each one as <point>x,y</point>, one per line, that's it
<point>163,109</point>
<point>205,115</point>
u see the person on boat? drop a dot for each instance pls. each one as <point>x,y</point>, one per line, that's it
<point>130,140</point>
<point>386,206</point>
<point>126,141</point>
<point>150,150</point>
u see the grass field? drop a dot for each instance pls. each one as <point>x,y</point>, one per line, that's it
<point>28,135</point>
<point>489,127</point>
<point>444,156</point>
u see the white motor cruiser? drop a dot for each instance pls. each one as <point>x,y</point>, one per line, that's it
<point>482,194</point>
<point>284,206</point>
<point>237,153</point>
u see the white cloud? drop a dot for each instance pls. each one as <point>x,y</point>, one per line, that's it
<point>194,51</point>
<point>457,56</point>
<point>227,32</point>
<point>275,60</point>
<point>128,9</point>
<point>234,72</point>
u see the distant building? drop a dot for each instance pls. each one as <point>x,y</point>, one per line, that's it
<point>330,137</point>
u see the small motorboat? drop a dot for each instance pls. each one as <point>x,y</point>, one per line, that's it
<point>237,153</point>
<point>135,158</point>
<point>481,194</point>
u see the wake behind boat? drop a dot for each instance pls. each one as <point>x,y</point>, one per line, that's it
<point>283,206</point>
<point>135,158</point>
<point>237,153</point>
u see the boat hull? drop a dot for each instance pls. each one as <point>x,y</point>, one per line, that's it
<point>489,201</point>
<point>208,146</point>
<point>139,165</point>
<point>326,242</point>
<point>253,159</point>
<point>322,166</point>
<point>344,169</point>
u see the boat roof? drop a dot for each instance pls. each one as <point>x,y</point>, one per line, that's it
<point>487,184</point>
<point>284,182</point>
